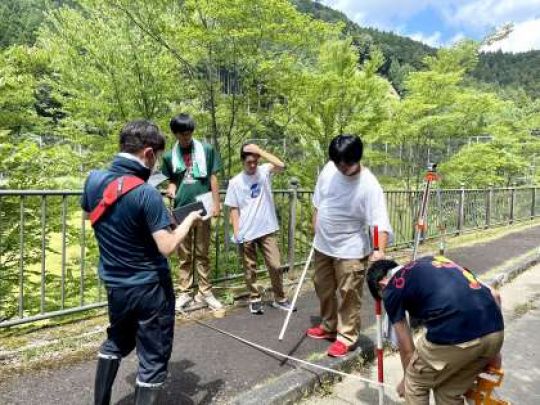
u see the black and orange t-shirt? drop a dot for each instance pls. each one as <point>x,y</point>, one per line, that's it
<point>453,305</point>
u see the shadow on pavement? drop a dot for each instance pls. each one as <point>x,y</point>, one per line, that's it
<point>182,387</point>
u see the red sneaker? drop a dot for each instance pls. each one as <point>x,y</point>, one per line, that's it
<point>338,349</point>
<point>318,332</point>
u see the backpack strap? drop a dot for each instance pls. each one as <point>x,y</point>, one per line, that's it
<point>112,193</point>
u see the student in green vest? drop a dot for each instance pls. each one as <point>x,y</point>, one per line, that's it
<point>191,167</point>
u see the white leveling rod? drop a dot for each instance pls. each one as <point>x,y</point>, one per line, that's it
<point>295,298</point>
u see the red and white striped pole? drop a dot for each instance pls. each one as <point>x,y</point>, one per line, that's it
<point>378,316</point>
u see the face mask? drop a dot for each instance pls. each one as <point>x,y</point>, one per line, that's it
<point>148,168</point>
<point>153,166</point>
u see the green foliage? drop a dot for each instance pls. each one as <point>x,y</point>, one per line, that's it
<point>510,70</point>
<point>483,165</point>
<point>21,19</point>
<point>441,108</point>
<point>336,96</point>
<point>117,60</point>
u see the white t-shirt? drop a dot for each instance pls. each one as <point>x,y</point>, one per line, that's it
<point>252,195</point>
<point>346,208</point>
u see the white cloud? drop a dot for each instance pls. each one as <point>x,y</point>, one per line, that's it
<point>433,40</point>
<point>488,13</point>
<point>456,38</point>
<point>462,18</point>
<point>524,37</point>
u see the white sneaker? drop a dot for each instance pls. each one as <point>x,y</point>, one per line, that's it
<point>283,305</point>
<point>182,300</point>
<point>209,298</point>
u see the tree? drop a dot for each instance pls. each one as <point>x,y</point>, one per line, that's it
<point>440,109</point>
<point>338,96</point>
<point>219,60</point>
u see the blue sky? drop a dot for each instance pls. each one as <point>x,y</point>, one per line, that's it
<point>442,22</point>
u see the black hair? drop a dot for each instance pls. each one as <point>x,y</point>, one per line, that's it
<point>346,149</point>
<point>244,155</point>
<point>139,134</point>
<point>182,123</point>
<point>376,272</point>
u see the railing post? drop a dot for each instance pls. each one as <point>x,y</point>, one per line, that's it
<point>21,257</point>
<point>533,202</point>
<point>226,224</point>
<point>512,199</point>
<point>293,200</point>
<point>461,209</point>
<point>489,201</point>
<point>226,220</point>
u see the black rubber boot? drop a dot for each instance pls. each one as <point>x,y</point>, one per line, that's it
<point>105,375</point>
<point>146,395</point>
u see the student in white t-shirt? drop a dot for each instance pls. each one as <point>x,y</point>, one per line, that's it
<point>348,200</point>
<point>254,222</point>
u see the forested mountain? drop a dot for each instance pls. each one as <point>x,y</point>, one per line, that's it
<point>401,54</point>
<point>511,70</point>
<point>20,19</point>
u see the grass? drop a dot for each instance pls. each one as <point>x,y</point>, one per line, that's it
<point>53,257</point>
<point>38,347</point>
<point>523,308</point>
<point>316,356</point>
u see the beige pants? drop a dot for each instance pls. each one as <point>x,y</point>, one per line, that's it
<point>448,370</point>
<point>343,278</point>
<point>269,248</point>
<point>194,251</point>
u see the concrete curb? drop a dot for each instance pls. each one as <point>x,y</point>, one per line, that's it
<point>301,382</point>
<point>297,384</point>
<point>513,270</point>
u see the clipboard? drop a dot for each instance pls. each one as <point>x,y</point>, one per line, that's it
<point>181,213</point>
<point>207,200</point>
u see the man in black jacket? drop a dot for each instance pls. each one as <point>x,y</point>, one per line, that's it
<point>134,237</point>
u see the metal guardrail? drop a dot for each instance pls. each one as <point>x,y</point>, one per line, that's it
<point>48,255</point>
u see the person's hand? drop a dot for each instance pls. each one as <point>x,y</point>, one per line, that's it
<point>195,216</point>
<point>495,362</point>
<point>376,255</point>
<point>252,148</point>
<point>400,389</point>
<point>235,239</point>
<point>171,190</point>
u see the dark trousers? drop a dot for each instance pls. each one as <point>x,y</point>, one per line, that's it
<point>142,317</point>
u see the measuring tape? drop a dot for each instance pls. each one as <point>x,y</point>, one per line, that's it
<point>285,356</point>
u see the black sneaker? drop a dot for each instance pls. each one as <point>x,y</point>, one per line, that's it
<point>256,307</point>
<point>283,305</point>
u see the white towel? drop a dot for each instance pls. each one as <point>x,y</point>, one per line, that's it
<point>199,160</point>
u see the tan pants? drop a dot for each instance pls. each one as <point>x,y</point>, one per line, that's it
<point>346,278</point>
<point>448,370</point>
<point>195,248</point>
<point>269,248</point>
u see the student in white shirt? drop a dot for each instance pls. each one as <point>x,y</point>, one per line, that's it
<point>254,222</point>
<point>348,200</point>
